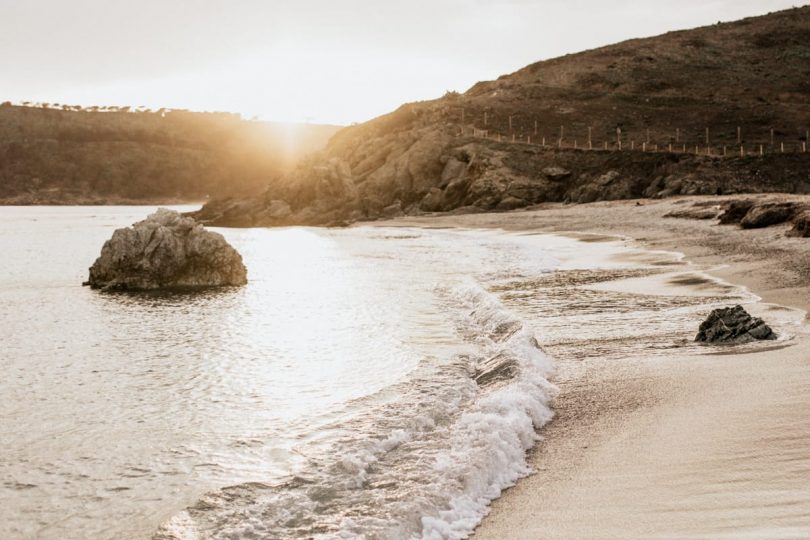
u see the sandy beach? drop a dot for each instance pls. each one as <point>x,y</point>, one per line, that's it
<point>680,446</point>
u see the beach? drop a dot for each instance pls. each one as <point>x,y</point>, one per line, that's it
<point>680,445</point>
<point>534,368</point>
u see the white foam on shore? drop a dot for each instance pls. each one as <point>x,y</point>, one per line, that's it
<point>489,441</point>
<point>429,469</point>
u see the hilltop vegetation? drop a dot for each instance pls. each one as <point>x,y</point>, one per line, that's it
<point>69,155</point>
<point>455,152</point>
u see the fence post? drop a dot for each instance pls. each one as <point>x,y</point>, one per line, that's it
<point>804,146</point>
<point>782,147</point>
<point>697,150</point>
<point>589,135</point>
<point>544,142</point>
<point>528,139</point>
<point>605,145</point>
<point>485,118</point>
<point>760,149</point>
<point>575,144</point>
<point>633,145</point>
<point>684,149</point>
<point>742,151</point>
<point>670,148</point>
<point>510,122</point>
<point>513,137</point>
<point>535,127</point>
<point>724,150</point>
<point>644,147</point>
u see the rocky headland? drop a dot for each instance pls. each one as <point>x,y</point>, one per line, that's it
<point>722,109</point>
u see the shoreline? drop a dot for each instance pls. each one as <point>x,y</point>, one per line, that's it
<point>684,446</point>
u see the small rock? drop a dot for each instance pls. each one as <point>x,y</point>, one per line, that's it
<point>166,250</point>
<point>510,203</point>
<point>734,326</point>
<point>393,210</point>
<point>432,201</point>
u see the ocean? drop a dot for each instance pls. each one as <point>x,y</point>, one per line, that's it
<point>368,382</point>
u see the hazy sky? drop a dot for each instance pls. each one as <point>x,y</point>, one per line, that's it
<point>337,61</point>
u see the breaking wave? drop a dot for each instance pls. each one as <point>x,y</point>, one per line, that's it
<point>423,459</point>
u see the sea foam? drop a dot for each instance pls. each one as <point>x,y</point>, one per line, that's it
<point>424,463</point>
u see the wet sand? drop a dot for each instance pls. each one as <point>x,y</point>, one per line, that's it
<point>679,445</point>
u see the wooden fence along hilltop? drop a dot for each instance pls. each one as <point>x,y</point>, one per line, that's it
<point>731,143</point>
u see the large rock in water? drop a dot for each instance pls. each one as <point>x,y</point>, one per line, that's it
<point>166,250</point>
<point>734,326</point>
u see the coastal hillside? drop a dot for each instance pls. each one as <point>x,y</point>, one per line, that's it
<point>719,109</point>
<point>57,154</point>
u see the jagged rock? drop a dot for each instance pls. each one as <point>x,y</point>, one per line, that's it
<point>432,201</point>
<point>531,191</point>
<point>166,250</point>
<point>392,210</point>
<point>608,186</point>
<point>733,325</point>
<point>556,173</point>
<point>801,224</point>
<point>510,203</point>
<point>229,212</point>
<point>767,214</point>
<point>453,169</point>
<point>735,211</point>
<point>455,193</point>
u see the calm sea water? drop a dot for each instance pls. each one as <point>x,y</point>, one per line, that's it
<point>333,396</point>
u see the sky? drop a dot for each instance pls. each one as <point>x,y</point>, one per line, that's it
<point>319,61</point>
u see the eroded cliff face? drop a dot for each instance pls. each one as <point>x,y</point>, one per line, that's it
<point>432,170</point>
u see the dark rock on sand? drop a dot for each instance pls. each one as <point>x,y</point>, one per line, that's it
<point>735,211</point>
<point>767,214</point>
<point>801,224</point>
<point>166,250</point>
<point>694,213</point>
<point>733,326</point>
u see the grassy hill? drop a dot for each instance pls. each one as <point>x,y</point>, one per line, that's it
<point>68,156</point>
<point>644,106</point>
